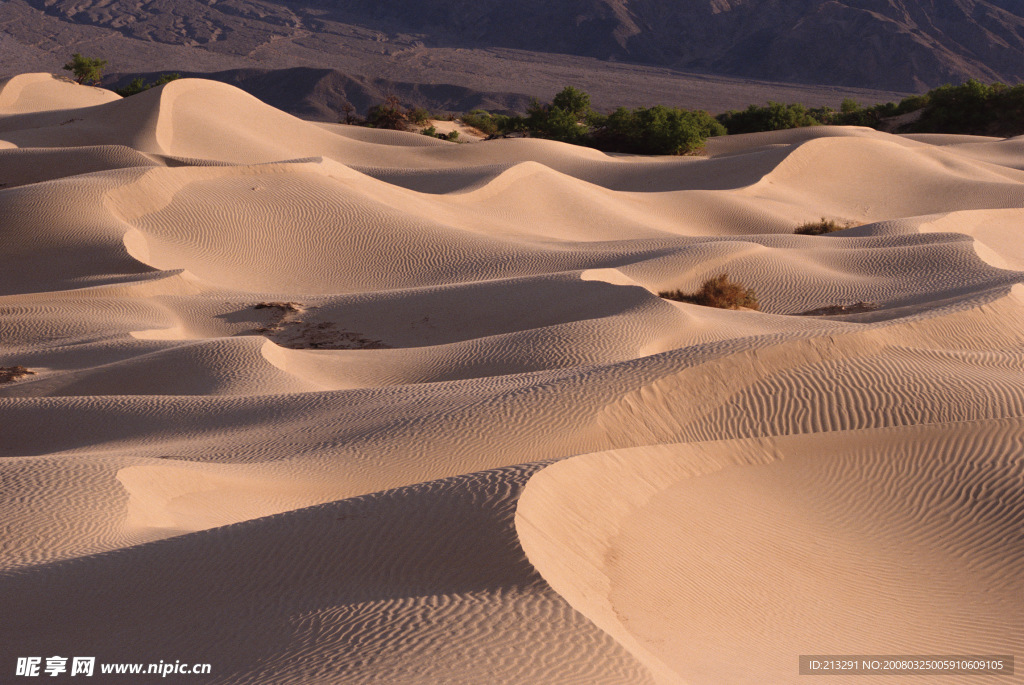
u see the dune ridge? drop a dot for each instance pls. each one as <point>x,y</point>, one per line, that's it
<point>321,405</point>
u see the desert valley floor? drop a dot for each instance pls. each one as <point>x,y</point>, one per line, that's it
<point>325,404</point>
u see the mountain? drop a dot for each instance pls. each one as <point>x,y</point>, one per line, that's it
<point>713,54</point>
<point>319,94</point>
<point>903,45</point>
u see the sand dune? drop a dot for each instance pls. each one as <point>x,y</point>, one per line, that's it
<point>317,404</point>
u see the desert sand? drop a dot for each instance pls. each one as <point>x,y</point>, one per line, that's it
<point>321,404</point>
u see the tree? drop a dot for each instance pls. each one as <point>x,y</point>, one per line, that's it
<point>572,101</point>
<point>349,110</point>
<point>390,114</point>
<point>86,69</point>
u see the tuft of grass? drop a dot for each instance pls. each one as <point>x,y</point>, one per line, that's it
<point>9,374</point>
<point>820,227</point>
<point>720,292</point>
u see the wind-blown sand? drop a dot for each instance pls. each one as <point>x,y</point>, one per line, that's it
<point>319,404</point>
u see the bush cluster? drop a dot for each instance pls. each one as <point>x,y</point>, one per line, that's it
<point>719,291</point>
<point>486,122</point>
<point>431,131</point>
<point>140,85</point>
<point>974,108</point>
<point>570,118</point>
<point>656,130</point>
<point>389,115</point>
<point>971,108</point>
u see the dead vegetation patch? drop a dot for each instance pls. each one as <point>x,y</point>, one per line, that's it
<point>719,291</point>
<point>9,374</point>
<point>840,309</point>
<point>288,328</point>
<point>822,227</point>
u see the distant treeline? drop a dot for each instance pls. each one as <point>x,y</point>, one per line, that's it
<point>657,130</point>
<point>972,108</point>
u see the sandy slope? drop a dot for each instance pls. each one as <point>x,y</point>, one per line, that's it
<point>323,405</point>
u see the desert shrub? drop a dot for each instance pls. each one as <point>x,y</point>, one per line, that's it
<point>139,85</point>
<point>911,104</point>
<point>486,122</point>
<point>418,115</point>
<point>820,227</point>
<point>86,69</point>
<point>553,122</point>
<point>572,101</point>
<point>350,116</point>
<point>431,131</point>
<point>775,116</point>
<point>973,108</point>
<point>9,374</point>
<point>657,130</point>
<point>719,291</point>
<point>389,115</point>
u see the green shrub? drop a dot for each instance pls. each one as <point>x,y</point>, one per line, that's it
<point>973,108</point>
<point>773,117</point>
<point>657,130</point>
<point>139,85</point>
<point>572,101</point>
<point>86,69</point>
<point>388,115</point>
<point>553,122</point>
<point>719,291</point>
<point>418,115</point>
<point>431,131</point>
<point>486,122</point>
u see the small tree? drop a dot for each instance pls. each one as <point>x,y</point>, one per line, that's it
<point>390,114</point>
<point>418,115</point>
<point>86,69</point>
<point>849,106</point>
<point>572,101</point>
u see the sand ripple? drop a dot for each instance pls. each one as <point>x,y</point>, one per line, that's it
<point>324,405</point>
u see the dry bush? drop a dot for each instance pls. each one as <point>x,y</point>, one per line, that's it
<point>820,227</point>
<point>9,374</point>
<point>717,292</point>
<point>840,309</point>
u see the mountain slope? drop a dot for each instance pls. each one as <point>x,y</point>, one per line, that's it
<point>906,45</point>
